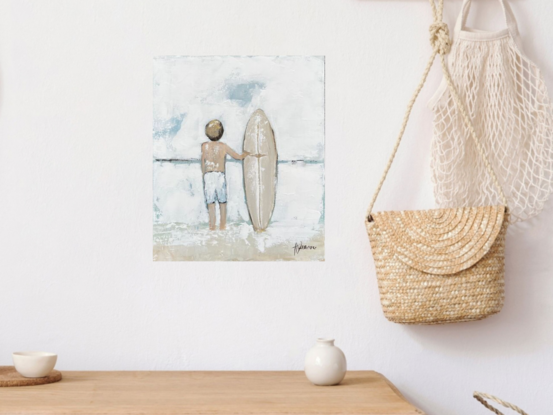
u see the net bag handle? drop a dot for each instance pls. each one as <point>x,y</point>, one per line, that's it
<point>482,397</point>
<point>510,19</point>
<point>441,45</point>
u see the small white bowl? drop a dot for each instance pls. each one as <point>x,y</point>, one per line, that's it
<point>34,364</point>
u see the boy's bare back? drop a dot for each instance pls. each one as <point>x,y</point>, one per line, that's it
<point>213,156</point>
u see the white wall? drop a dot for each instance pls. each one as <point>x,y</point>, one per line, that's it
<point>76,201</point>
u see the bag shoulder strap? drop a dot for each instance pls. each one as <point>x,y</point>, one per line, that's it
<point>481,397</point>
<point>441,45</point>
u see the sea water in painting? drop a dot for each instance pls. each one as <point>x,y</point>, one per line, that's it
<point>238,158</point>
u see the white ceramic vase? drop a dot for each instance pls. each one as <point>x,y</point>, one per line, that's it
<point>325,364</point>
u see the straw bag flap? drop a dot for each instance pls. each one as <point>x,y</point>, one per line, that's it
<point>439,241</point>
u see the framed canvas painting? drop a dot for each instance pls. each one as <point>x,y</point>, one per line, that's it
<point>238,158</point>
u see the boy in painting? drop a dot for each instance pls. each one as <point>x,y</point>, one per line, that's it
<point>213,169</point>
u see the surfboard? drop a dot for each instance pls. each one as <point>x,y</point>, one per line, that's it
<point>260,170</point>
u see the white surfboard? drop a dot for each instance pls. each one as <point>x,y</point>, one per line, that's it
<point>260,170</point>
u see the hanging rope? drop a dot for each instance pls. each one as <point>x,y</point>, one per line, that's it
<point>441,45</point>
<point>481,397</point>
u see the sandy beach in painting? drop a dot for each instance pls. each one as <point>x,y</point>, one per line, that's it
<point>174,242</point>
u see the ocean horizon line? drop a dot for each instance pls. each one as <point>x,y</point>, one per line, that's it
<point>177,161</point>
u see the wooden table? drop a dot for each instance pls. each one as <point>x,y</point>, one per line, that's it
<point>213,393</point>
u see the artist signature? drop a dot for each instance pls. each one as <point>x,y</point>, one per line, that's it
<point>298,247</point>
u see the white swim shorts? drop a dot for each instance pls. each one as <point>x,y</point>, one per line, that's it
<point>215,187</point>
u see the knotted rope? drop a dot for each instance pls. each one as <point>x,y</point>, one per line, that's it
<point>441,45</point>
<point>439,38</point>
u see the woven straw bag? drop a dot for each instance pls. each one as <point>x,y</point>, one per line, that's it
<point>443,265</point>
<point>482,397</point>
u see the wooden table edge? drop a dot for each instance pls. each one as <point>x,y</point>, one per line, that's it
<point>67,376</point>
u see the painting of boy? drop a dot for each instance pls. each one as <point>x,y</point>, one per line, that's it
<point>249,185</point>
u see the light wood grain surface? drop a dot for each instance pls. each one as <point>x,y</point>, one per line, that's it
<point>213,393</point>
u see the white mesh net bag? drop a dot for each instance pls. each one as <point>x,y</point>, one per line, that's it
<point>507,100</point>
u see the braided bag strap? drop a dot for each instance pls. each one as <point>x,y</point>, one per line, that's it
<point>482,398</point>
<point>441,45</point>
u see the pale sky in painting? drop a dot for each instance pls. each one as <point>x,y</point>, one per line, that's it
<point>190,91</point>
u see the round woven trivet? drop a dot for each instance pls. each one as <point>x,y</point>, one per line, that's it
<point>10,377</point>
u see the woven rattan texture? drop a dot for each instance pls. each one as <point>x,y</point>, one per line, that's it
<point>439,266</point>
<point>9,377</point>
